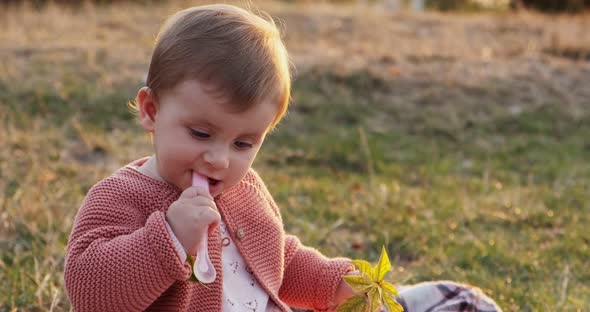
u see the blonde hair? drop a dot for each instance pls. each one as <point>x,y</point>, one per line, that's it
<point>238,52</point>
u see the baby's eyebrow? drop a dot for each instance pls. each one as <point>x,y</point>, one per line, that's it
<point>252,135</point>
<point>206,124</point>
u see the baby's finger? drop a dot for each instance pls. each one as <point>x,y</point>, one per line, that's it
<point>189,192</point>
<point>216,221</point>
<point>210,217</point>
<point>202,191</point>
<point>204,201</point>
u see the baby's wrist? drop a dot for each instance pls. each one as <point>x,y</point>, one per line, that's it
<point>180,250</point>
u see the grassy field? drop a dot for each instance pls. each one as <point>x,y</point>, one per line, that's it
<point>460,142</point>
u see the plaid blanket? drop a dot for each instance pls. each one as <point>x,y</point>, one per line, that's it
<point>443,296</point>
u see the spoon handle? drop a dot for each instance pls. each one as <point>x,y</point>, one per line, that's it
<point>203,268</point>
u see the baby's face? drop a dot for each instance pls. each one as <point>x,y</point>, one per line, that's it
<point>196,132</point>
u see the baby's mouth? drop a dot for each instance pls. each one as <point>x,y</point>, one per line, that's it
<point>213,182</point>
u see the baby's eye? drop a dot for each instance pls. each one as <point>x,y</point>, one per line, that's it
<point>242,145</point>
<point>199,134</point>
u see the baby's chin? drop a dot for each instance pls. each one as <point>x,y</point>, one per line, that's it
<point>216,190</point>
<point>220,188</point>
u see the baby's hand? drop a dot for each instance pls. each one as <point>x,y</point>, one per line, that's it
<point>190,214</point>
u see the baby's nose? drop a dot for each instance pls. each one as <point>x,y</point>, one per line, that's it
<point>218,158</point>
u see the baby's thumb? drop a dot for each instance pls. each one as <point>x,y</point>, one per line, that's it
<point>214,222</point>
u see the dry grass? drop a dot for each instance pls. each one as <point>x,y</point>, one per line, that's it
<point>110,46</point>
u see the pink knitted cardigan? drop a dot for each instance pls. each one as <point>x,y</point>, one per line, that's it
<point>121,257</point>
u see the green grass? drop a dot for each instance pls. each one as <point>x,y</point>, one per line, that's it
<point>502,204</point>
<point>445,173</point>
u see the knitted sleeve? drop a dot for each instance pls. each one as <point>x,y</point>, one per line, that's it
<point>310,279</point>
<point>116,260</point>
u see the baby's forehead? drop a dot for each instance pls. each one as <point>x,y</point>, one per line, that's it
<point>195,91</point>
<point>194,103</point>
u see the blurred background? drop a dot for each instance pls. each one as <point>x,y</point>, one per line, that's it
<point>454,132</point>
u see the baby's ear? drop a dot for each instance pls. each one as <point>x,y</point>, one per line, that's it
<point>148,108</point>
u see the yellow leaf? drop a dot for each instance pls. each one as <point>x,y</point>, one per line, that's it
<point>383,266</point>
<point>392,305</point>
<point>374,299</point>
<point>378,292</point>
<point>354,304</point>
<point>360,284</point>
<point>389,289</point>
<point>191,261</point>
<point>364,267</point>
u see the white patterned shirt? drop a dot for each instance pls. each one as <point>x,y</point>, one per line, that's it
<point>241,290</point>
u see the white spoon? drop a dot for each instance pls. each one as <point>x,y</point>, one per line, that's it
<point>203,268</point>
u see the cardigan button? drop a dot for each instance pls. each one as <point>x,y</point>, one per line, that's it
<point>240,233</point>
